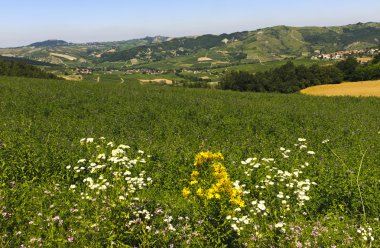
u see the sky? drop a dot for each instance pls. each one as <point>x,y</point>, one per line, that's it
<point>26,21</point>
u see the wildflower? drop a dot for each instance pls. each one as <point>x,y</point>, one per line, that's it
<point>193,182</point>
<point>279,224</point>
<point>311,152</point>
<point>89,140</point>
<point>204,157</point>
<point>280,195</point>
<point>261,205</point>
<point>299,244</point>
<point>186,192</point>
<point>32,240</point>
<point>235,227</point>
<point>73,210</point>
<point>123,147</point>
<point>102,156</point>
<point>301,139</point>
<point>194,174</point>
<point>73,186</point>
<point>200,192</point>
<point>55,218</point>
<point>118,152</point>
<point>70,239</point>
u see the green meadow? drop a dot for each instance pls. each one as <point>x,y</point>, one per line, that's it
<point>110,164</point>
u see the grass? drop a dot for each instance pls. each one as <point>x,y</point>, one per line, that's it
<point>43,121</point>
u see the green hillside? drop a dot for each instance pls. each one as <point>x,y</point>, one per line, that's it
<point>261,45</point>
<point>23,69</point>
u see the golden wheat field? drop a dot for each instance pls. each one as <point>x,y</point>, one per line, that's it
<point>364,88</point>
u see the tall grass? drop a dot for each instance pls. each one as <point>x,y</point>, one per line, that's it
<point>42,122</point>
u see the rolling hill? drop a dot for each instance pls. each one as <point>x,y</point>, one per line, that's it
<point>260,45</point>
<point>72,54</point>
<point>205,51</point>
<point>49,43</point>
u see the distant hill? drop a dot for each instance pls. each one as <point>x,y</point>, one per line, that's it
<point>262,45</point>
<point>85,54</point>
<point>50,43</point>
<point>205,51</point>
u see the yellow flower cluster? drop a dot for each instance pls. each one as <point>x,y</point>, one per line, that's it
<point>222,185</point>
<point>204,157</point>
<point>186,192</point>
<point>194,177</point>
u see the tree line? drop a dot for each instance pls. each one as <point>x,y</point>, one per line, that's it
<point>22,69</point>
<point>290,78</point>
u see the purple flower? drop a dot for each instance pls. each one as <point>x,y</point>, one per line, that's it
<point>158,211</point>
<point>55,218</point>
<point>299,244</point>
<point>73,210</point>
<point>70,239</point>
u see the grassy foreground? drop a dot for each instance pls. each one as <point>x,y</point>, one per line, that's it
<point>281,171</point>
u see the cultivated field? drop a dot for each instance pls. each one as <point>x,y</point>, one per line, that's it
<point>65,56</point>
<point>86,164</point>
<point>157,80</point>
<point>365,88</point>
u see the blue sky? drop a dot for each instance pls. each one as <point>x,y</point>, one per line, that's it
<point>26,21</point>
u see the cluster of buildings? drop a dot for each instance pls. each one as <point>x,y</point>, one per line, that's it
<point>146,71</point>
<point>344,54</point>
<point>83,71</point>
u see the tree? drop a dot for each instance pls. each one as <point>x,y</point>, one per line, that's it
<point>348,67</point>
<point>376,59</point>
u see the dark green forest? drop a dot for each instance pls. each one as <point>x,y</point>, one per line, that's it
<point>290,78</point>
<point>22,69</point>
